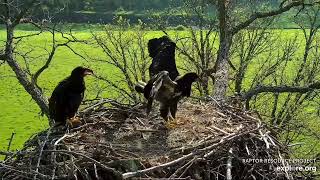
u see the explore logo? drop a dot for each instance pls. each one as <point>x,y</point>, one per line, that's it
<point>296,168</point>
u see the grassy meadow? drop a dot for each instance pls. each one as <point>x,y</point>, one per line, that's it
<point>18,112</point>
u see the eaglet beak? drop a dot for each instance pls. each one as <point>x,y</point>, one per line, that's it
<point>88,72</point>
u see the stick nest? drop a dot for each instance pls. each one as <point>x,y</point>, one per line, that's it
<point>117,141</point>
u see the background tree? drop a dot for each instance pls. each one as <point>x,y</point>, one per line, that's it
<point>196,48</point>
<point>21,12</point>
<point>126,54</point>
<point>277,75</point>
<point>228,28</point>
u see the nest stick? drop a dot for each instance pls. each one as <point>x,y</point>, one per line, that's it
<point>187,168</point>
<point>100,103</point>
<point>285,165</point>
<point>109,169</point>
<point>218,129</point>
<point>183,158</point>
<point>229,166</point>
<point>9,145</point>
<point>183,168</point>
<point>41,152</point>
<point>263,136</point>
<point>23,172</point>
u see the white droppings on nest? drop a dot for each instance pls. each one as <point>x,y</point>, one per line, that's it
<point>195,122</point>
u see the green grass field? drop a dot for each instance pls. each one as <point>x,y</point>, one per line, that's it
<point>20,115</point>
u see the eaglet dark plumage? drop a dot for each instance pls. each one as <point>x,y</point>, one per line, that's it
<point>162,52</point>
<point>67,96</point>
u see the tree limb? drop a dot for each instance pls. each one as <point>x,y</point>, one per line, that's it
<point>29,7</point>
<point>280,89</point>
<point>21,75</point>
<point>53,50</point>
<point>44,67</point>
<point>3,56</point>
<point>259,15</point>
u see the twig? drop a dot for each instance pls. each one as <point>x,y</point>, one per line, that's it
<point>263,136</point>
<point>83,126</point>
<point>220,113</point>
<point>218,129</point>
<point>23,172</point>
<point>183,168</point>
<point>256,119</point>
<point>96,171</point>
<point>53,155</point>
<point>296,144</point>
<point>271,140</point>
<point>141,130</point>
<point>139,120</point>
<point>247,149</point>
<point>100,103</point>
<point>207,155</point>
<point>204,139</point>
<point>229,166</point>
<point>233,114</point>
<point>184,158</point>
<point>186,169</point>
<point>54,161</point>
<point>40,154</point>
<point>285,165</point>
<point>9,145</point>
<point>65,136</point>
<point>110,170</point>
<point>215,101</point>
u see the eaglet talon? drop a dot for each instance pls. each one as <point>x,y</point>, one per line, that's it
<point>74,122</point>
<point>171,123</point>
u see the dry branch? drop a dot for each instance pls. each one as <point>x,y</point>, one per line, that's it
<point>281,89</point>
<point>259,15</point>
<point>229,166</point>
<point>9,144</point>
<point>110,170</point>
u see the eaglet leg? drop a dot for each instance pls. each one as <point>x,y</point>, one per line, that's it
<point>172,123</point>
<point>173,108</point>
<point>164,113</point>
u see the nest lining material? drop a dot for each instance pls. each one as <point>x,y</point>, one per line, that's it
<point>205,141</point>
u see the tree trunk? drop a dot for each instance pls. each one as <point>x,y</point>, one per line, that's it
<point>222,74</point>
<point>239,77</point>
<point>22,77</point>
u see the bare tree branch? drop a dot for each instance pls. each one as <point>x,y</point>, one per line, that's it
<point>54,47</point>
<point>129,60</point>
<point>280,89</point>
<point>17,13</point>
<point>27,8</point>
<point>3,56</point>
<point>259,15</point>
<point>109,169</point>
